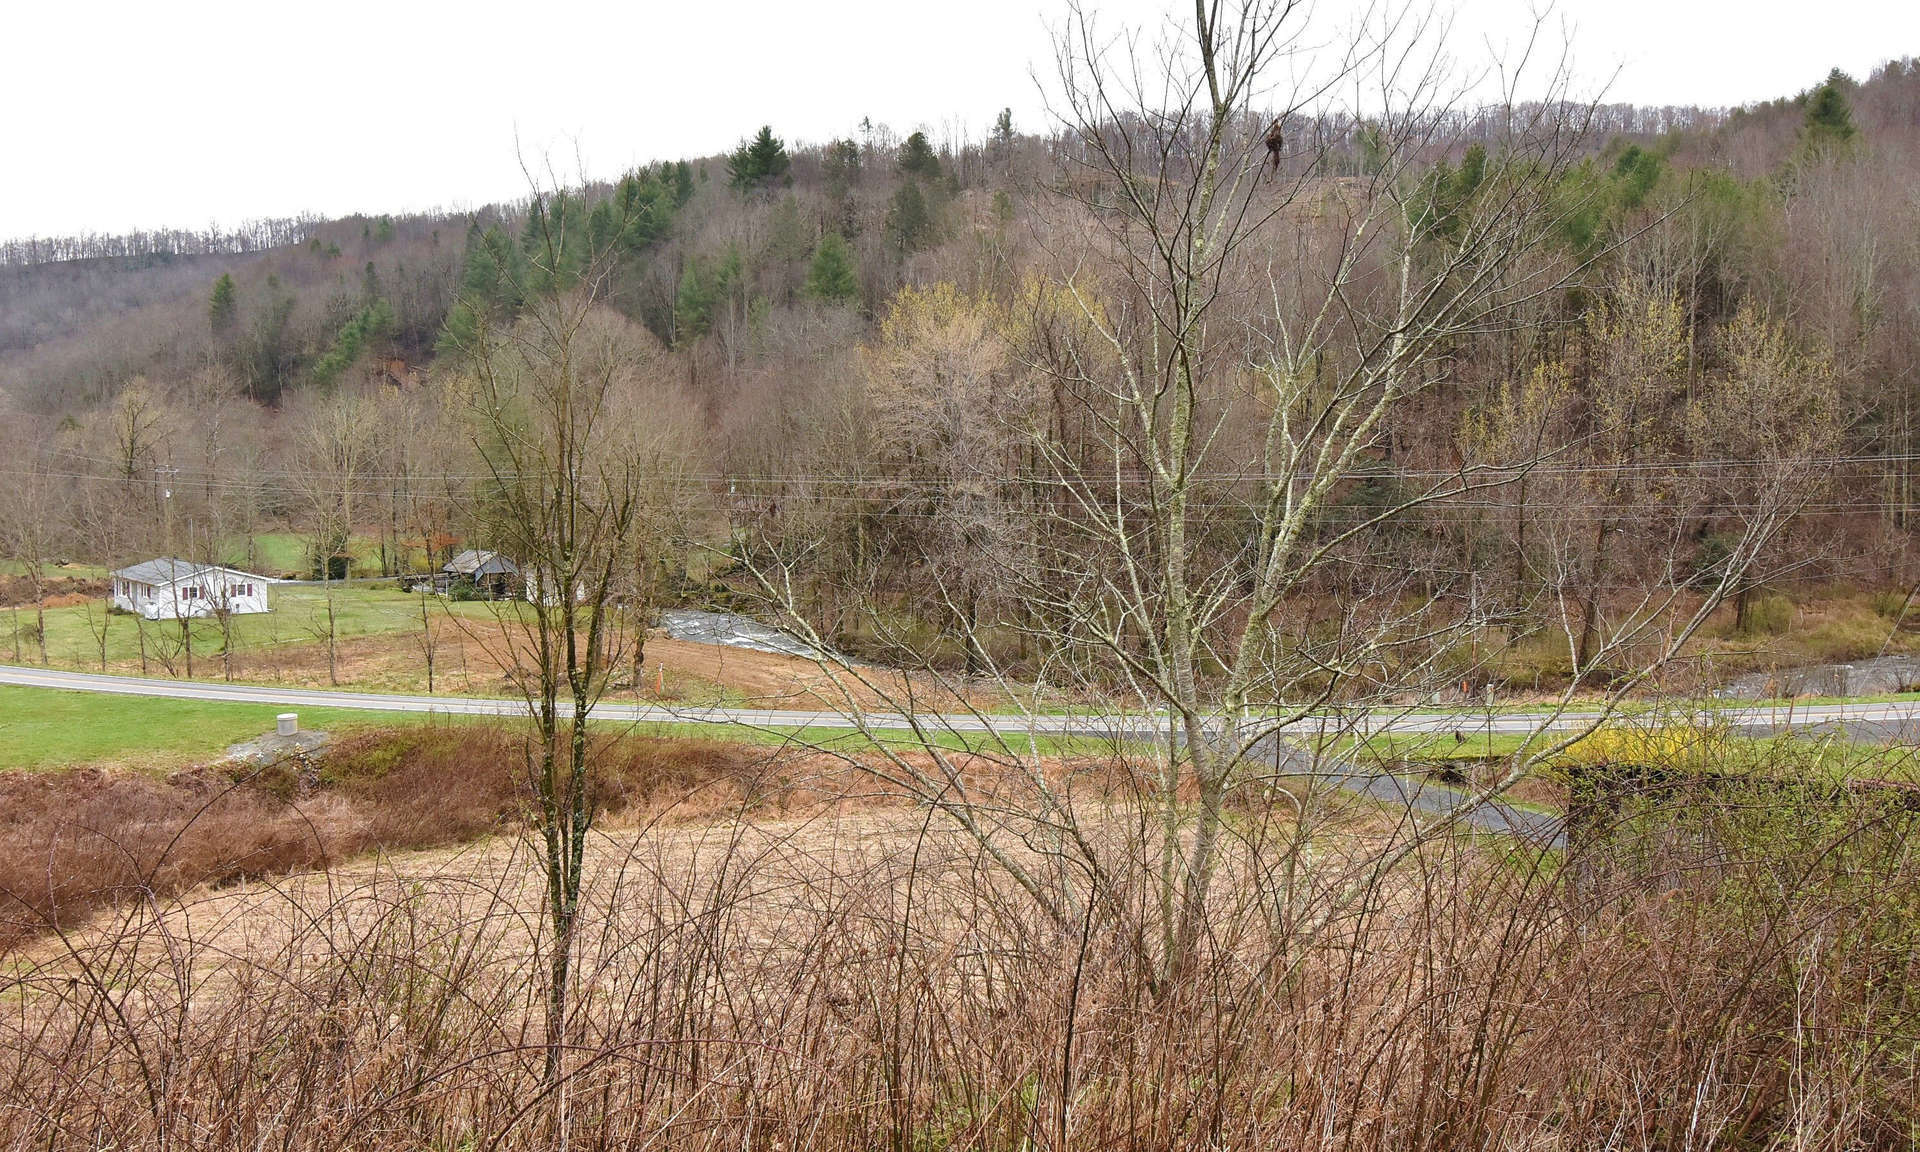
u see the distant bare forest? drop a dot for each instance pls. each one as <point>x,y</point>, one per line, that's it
<point>823,323</point>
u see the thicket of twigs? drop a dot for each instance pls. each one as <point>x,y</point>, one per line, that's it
<point>1725,970</point>
<point>74,842</point>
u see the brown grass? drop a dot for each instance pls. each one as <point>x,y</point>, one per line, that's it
<point>853,975</point>
<point>74,842</point>
<point>469,660</point>
<point>864,981</point>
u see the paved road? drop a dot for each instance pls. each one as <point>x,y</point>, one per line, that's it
<point>1857,721</point>
<point>1879,719</point>
<point>608,710</point>
<point>1430,799</point>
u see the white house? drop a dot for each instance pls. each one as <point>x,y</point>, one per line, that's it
<point>169,589</point>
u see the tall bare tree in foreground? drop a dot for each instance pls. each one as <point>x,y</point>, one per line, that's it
<point>575,426</point>
<point>1221,539</point>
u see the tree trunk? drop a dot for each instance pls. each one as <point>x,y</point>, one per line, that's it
<point>1590,607</point>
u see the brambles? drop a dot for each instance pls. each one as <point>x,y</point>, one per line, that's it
<point>80,841</point>
<point>848,978</point>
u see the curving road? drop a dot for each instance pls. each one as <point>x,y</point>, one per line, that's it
<point>1875,719</point>
<point>1861,721</point>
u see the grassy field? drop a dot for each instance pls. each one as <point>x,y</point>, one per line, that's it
<point>46,728</point>
<point>378,630</point>
<point>72,571</point>
<point>289,553</point>
<point>269,553</point>
<point>1794,754</point>
<point>1424,747</point>
<point>299,615</point>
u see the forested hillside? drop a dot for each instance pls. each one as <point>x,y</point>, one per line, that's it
<point>840,337</point>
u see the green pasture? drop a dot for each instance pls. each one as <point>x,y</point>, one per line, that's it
<point>43,728</point>
<point>47,728</point>
<point>299,615</point>
<point>282,553</point>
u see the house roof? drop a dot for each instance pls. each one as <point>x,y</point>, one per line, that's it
<point>169,570</point>
<point>480,562</point>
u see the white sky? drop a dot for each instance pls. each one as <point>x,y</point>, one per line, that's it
<point>120,115</point>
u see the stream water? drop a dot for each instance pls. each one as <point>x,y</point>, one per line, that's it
<point>733,631</point>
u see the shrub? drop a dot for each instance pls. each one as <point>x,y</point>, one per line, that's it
<point>1768,614</point>
<point>1647,746</point>
<point>74,842</point>
<point>1888,603</point>
<point>860,985</point>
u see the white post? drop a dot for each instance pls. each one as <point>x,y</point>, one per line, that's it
<point>287,723</point>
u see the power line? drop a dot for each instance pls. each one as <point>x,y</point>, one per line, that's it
<point>1477,473</point>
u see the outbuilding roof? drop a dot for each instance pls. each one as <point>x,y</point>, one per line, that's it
<point>480,562</point>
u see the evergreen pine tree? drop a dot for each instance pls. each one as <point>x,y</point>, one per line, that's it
<point>1829,116</point>
<point>223,308</point>
<point>841,164</point>
<point>554,245</point>
<point>831,276</point>
<point>757,162</point>
<point>917,158</point>
<point>489,285</point>
<point>1473,170</point>
<point>730,282</point>
<point>909,219</point>
<point>602,227</point>
<point>693,301</point>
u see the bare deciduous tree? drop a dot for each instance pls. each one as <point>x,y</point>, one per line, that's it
<point>34,510</point>
<point>575,432</point>
<point>1228,545</point>
<point>339,445</point>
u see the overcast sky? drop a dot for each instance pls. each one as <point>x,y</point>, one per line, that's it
<point>123,115</point>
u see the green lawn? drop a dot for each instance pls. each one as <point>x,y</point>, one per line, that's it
<point>1436,747</point>
<point>273,553</point>
<point>1791,753</point>
<point>282,553</point>
<point>55,571</point>
<point>48,728</point>
<point>298,616</point>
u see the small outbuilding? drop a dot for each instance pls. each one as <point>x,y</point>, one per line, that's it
<point>491,575</point>
<point>173,589</point>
